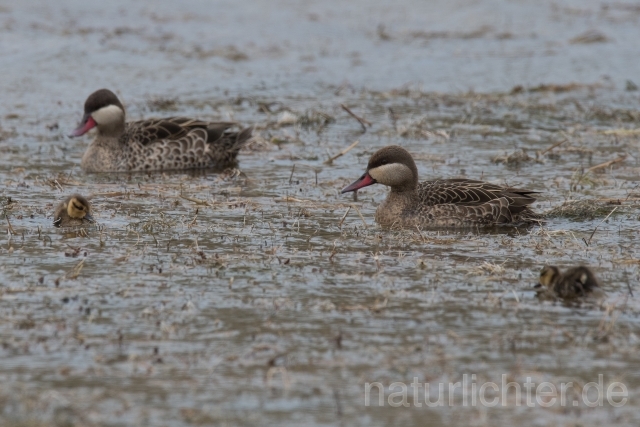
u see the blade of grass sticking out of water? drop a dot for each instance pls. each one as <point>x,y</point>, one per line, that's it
<point>595,229</point>
<point>344,216</point>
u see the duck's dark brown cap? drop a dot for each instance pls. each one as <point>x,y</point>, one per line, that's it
<point>391,154</point>
<point>100,99</point>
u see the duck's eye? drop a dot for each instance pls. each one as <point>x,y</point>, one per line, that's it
<point>80,208</point>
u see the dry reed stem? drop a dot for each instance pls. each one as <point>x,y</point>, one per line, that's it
<point>361,217</point>
<point>196,201</point>
<point>606,164</point>
<point>343,217</point>
<point>340,154</point>
<point>75,271</point>
<point>557,144</point>
<point>11,230</point>
<point>360,120</point>
<point>292,199</point>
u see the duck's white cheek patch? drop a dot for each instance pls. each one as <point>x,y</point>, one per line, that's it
<point>108,115</point>
<point>391,174</point>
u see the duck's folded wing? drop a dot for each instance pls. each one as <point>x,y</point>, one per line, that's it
<point>470,193</point>
<point>192,151</point>
<point>150,131</point>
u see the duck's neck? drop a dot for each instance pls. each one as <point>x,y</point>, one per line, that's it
<point>396,206</point>
<point>112,130</point>
<point>401,200</point>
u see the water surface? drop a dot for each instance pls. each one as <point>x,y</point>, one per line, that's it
<point>249,298</point>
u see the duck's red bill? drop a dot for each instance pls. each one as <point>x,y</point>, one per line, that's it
<point>364,181</point>
<point>87,124</point>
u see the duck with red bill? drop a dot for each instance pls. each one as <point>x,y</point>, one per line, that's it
<point>443,203</point>
<point>171,143</point>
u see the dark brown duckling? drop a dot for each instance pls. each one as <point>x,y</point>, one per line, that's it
<point>445,203</point>
<point>575,282</point>
<point>74,211</point>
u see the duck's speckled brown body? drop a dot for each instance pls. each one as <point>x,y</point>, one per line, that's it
<point>172,143</point>
<point>449,203</point>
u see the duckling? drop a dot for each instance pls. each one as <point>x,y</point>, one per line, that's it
<point>74,211</point>
<point>573,283</point>
<point>172,143</point>
<point>447,203</point>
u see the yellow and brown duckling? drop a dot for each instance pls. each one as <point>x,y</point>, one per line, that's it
<point>449,203</point>
<point>74,211</point>
<point>575,282</point>
<point>172,143</point>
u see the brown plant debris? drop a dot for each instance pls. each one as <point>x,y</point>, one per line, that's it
<point>590,36</point>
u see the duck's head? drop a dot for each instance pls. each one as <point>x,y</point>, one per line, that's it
<point>392,166</point>
<point>103,110</point>
<point>548,276</point>
<point>79,208</point>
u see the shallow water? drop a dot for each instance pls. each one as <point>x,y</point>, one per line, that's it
<point>251,298</point>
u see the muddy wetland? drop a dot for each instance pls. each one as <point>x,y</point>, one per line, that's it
<point>260,295</point>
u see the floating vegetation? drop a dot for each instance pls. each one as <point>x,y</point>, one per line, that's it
<point>230,52</point>
<point>581,210</point>
<point>160,222</point>
<point>162,104</point>
<point>308,119</point>
<point>420,129</point>
<point>556,88</point>
<point>514,159</point>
